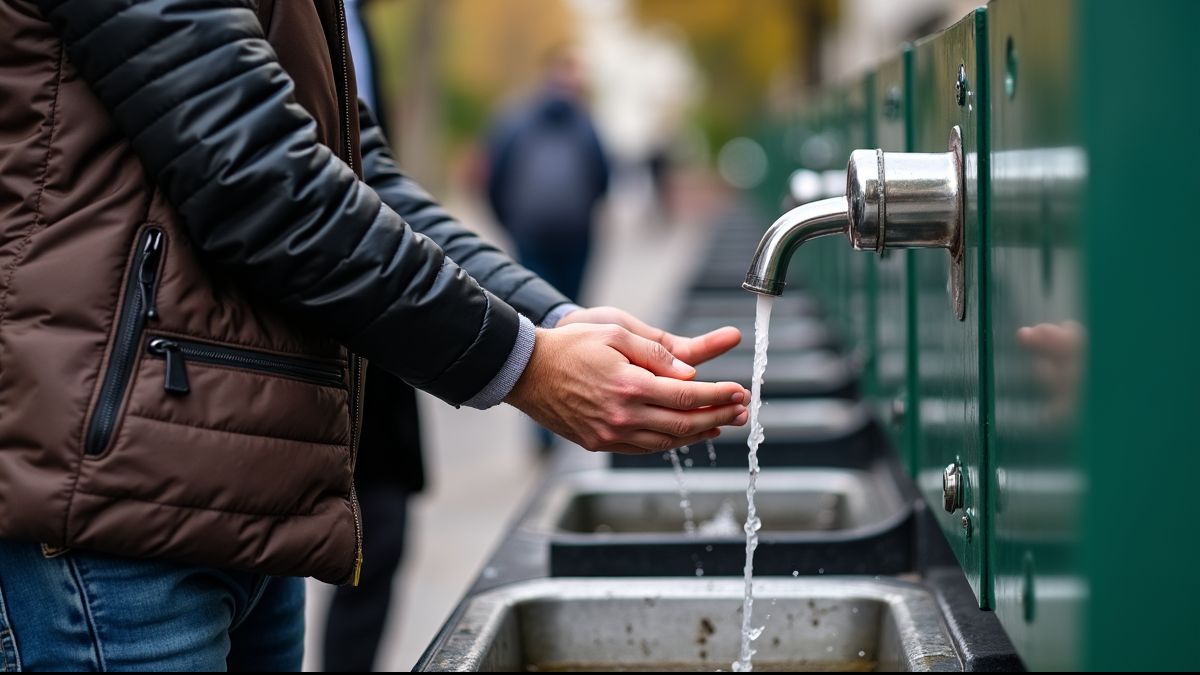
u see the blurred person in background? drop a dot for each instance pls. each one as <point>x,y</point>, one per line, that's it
<point>546,171</point>
<point>390,467</point>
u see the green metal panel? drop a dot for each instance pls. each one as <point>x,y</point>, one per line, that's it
<point>892,398</point>
<point>1037,169</point>
<point>1093,132</point>
<point>821,262</point>
<point>770,191</point>
<point>1138,440</point>
<point>860,268</point>
<point>952,354</point>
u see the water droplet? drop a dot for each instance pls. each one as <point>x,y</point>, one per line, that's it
<point>820,570</point>
<point>829,648</point>
<point>699,571</point>
<point>708,548</point>
<point>861,654</point>
<point>795,573</point>
<point>689,518</point>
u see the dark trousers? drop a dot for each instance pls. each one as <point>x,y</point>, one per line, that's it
<point>559,261</point>
<point>358,614</point>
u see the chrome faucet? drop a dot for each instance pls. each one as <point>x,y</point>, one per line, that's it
<point>893,200</point>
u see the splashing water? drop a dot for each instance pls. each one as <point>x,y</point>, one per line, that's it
<point>685,503</point>
<point>762,326</point>
<point>723,523</point>
<point>712,452</point>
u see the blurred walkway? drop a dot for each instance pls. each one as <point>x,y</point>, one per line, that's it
<point>481,464</point>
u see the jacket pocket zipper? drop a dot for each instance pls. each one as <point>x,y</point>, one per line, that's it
<point>137,305</point>
<point>177,353</point>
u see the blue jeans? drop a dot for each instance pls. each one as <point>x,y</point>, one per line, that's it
<point>86,611</point>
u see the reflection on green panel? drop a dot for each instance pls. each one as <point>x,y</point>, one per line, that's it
<point>1038,166</point>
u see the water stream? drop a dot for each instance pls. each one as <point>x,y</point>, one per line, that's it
<point>685,503</point>
<point>762,325</point>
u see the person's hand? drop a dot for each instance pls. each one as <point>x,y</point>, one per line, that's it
<point>689,350</point>
<point>1057,349</point>
<point>605,388</point>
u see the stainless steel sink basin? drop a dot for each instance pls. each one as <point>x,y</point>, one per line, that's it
<point>819,624</point>
<point>801,432</point>
<point>785,420</point>
<point>630,523</point>
<point>811,374</point>
<point>610,504</point>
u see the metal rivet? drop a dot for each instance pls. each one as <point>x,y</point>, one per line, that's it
<point>960,86</point>
<point>1028,597</point>
<point>892,103</point>
<point>952,497</point>
<point>1010,75</point>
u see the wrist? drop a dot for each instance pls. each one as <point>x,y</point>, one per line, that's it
<point>556,315</point>
<point>524,390</point>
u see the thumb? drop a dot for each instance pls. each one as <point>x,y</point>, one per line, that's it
<point>652,356</point>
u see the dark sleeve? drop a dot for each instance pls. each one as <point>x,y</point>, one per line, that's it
<point>494,270</point>
<point>198,91</point>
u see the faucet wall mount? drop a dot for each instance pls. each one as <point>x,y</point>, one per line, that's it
<point>893,200</point>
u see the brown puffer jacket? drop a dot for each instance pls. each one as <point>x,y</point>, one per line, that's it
<point>185,247</point>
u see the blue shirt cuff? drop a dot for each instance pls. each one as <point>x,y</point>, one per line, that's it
<point>514,366</point>
<point>558,313</point>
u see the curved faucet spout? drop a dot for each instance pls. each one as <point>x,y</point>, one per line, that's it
<point>768,269</point>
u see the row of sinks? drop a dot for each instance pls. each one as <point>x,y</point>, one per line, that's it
<point>599,575</point>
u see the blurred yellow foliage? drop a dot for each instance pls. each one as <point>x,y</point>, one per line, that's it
<point>746,49</point>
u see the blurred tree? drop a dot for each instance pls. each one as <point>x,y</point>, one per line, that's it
<point>446,64</point>
<point>746,50</point>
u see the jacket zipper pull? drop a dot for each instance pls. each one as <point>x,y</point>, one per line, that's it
<point>176,381</point>
<point>148,273</point>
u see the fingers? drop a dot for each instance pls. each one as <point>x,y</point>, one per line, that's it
<point>644,442</point>
<point>1052,339</point>
<point>685,395</point>
<point>651,355</point>
<point>703,347</point>
<point>687,424</point>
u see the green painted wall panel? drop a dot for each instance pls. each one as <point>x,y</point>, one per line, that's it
<point>952,354</point>
<point>892,401</point>
<point>860,268</point>
<point>1038,166</point>
<point>1139,445</point>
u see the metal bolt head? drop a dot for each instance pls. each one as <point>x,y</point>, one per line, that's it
<point>952,497</point>
<point>893,103</point>
<point>960,86</point>
<point>896,416</point>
